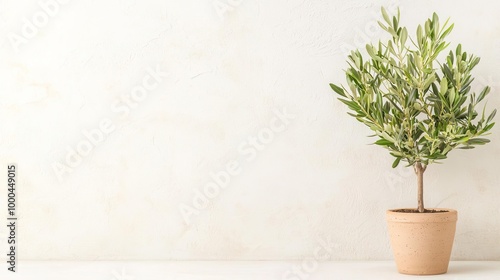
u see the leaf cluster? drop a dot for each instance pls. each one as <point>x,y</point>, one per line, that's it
<point>418,107</point>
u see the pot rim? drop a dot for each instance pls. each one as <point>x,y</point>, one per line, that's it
<point>392,211</point>
<point>438,217</point>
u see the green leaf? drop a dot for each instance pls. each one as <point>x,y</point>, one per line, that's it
<point>491,116</point>
<point>386,136</point>
<point>451,96</point>
<point>396,162</point>
<point>351,104</point>
<point>385,15</point>
<point>427,28</point>
<point>338,90</point>
<point>466,147</point>
<point>483,94</point>
<point>447,73</point>
<point>443,86</point>
<point>436,156</point>
<point>382,26</point>
<point>446,32</point>
<point>370,50</point>
<point>435,23</point>
<point>383,142</point>
<point>478,141</point>
<point>419,35</point>
<point>403,36</point>
<point>429,80</point>
<point>440,48</point>
<point>488,127</point>
<point>395,24</point>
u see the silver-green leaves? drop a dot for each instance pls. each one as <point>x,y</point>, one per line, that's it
<point>420,108</point>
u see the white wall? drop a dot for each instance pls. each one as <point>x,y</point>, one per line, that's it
<point>315,180</point>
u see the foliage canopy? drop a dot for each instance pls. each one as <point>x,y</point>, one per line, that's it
<point>419,108</point>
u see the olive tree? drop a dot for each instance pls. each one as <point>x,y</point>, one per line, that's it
<point>419,104</point>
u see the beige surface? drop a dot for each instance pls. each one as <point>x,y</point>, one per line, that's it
<point>214,270</point>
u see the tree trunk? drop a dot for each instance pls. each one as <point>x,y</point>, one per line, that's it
<point>419,169</point>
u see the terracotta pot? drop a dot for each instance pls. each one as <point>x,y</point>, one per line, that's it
<point>422,242</point>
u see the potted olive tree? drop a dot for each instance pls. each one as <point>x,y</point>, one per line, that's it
<point>420,108</point>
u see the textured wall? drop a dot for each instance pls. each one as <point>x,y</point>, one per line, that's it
<point>207,130</point>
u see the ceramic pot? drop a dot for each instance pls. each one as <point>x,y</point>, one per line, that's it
<point>422,242</point>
